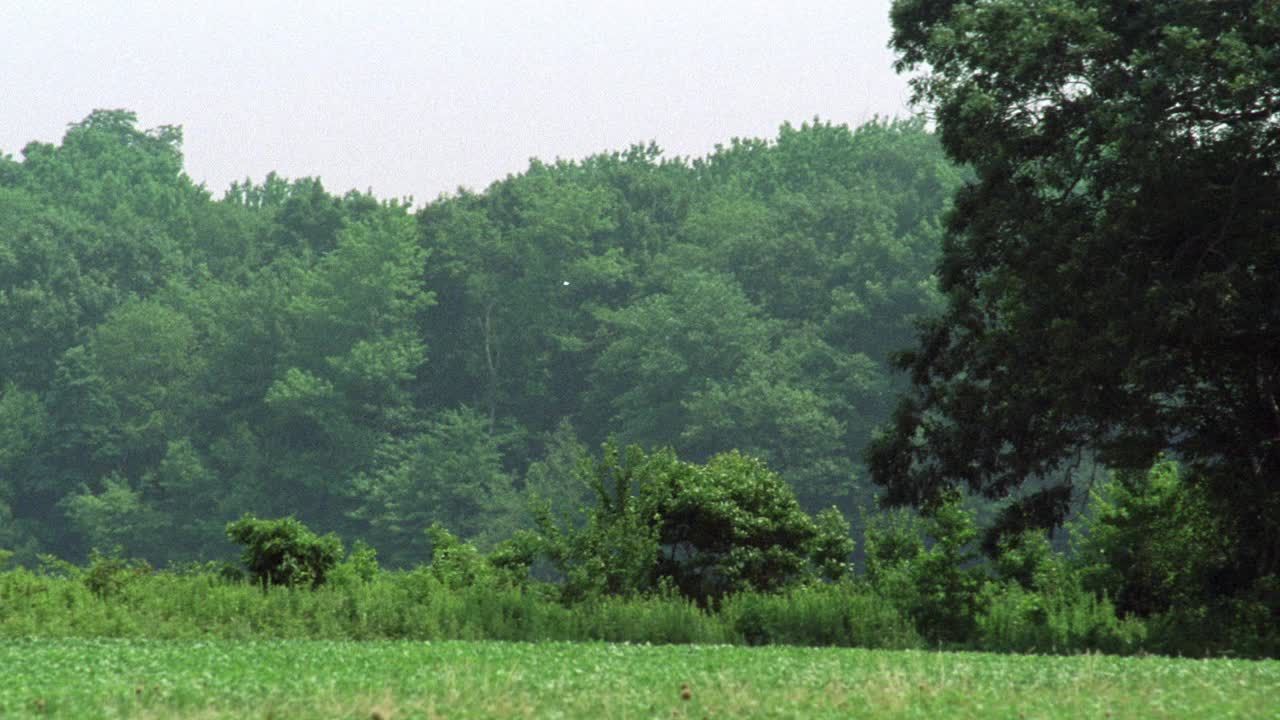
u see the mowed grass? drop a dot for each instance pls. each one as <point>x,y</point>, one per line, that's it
<point>303,678</point>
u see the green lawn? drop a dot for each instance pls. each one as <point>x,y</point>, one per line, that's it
<point>288,679</point>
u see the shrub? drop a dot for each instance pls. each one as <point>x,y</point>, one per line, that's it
<point>927,567</point>
<point>615,552</point>
<point>1069,620</point>
<point>891,540</point>
<point>284,551</point>
<point>454,563</point>
<point>1150,541</point>
<point>1038,604</point>
<point>729,526</point>
<point>843,614</point>
<point>360,567</point>
<point>107,575</point>
<point>710,530</point>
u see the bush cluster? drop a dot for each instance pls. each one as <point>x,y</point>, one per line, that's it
<point>644,567</point>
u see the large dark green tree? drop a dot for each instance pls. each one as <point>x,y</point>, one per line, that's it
<point>1112,273</point>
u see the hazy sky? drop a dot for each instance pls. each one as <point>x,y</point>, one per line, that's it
<point>418,98</point>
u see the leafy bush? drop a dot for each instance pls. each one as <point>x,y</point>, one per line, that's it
<point>456,564</point>
<point>1150,541</point>
<point>107,575</point>
<point>664,617</point>
<point>360,567</point>
<point>1155,542</point>
<point>732,526</point>
<point>1070,620</point>
<point>1052,616</point>
<point>842,614</point>
<point>891,540</point>
<point>1038,604</point>
<point>708,530</point>
<point>615,552</point>
<point>284,551</point>
<point>927,567</point>
<point>1244,625</point>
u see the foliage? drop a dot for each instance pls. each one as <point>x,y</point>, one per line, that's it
<point>359,567</point>
<point>466,595</point>
<point>172,361</point>
<point>456,564</point>
<point>1038,603</point>
<point>1153,543</point>
<point>115,516</point>
<point>1110,272</point>
<point>616,551</point>
<point>732,525</point>
<point>554,482</point>
<point>702,327</point>
<point>108,575</point>
<point>706,531</point>
<point>836,614</point>
<point>450,472</point>
<point>1150,541</point>
<point>928,568</point>
<point>1072,620</point>
<point>284,551</point>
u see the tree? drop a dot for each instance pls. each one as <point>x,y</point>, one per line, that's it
<point>553,479</point>
<point>733,525</point>
<point>146,358</point>
<point>728,526</point>
<point>116,518</point>
<point>773,408</point>
<point>24,425</point>
<point>88,224</point>
<point>835,232</point>
<point>169,362</point>
<point>510,267</point>
<point>662,348</point>
<point>1111,271</point>
<point>345,368</point>
<point>1149,541</point>
<point>284,551</point>
<point>451,473</point>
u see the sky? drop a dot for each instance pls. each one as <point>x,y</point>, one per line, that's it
<point>415,99</point>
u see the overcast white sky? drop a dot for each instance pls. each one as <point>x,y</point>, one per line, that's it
<point>418,98</point>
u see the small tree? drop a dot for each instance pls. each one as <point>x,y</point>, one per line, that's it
<point>284,551</point>
<point>733,525</point>
<point>1151,541</point>
<point>615,552</point>
<point>926,565</point>
<point>707,530</point>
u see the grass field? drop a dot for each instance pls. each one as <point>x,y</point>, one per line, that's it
<point>296,679</point>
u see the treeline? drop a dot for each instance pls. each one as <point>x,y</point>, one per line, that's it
<point>677,552</point>
<point>170,361</point>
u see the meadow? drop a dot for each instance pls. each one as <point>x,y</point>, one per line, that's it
<point>101,678</point>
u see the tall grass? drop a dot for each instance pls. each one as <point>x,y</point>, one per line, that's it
<point>1072,620</point>
<point>417,605</point>
<point>135,602</point>
<point>113,599</point>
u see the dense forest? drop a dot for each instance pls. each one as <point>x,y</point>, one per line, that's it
<point>171,361</point>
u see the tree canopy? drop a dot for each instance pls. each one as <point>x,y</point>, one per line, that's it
<point>171,361</point>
